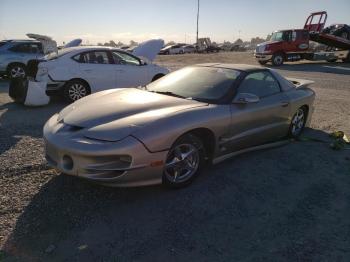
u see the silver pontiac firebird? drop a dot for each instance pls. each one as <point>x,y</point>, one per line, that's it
<point>167,131</point>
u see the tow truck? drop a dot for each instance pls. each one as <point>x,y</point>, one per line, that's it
<point>293,44</point>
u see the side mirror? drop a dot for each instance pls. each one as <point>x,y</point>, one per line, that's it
<point>246,98</point>
<point>142,63</point>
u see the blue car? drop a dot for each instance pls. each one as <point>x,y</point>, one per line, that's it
<point>15,54</point>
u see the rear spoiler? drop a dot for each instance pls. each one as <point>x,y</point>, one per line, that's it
<point>300,82</point>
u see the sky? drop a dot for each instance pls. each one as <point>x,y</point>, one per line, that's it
<point>124,20</point>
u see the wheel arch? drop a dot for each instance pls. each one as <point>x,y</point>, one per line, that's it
<point>157,76</point>
<point>207,137</point>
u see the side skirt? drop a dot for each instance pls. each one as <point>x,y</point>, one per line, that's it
<point>264,146</point>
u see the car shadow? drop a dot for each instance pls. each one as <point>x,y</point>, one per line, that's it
<point>332,68</point>
<point>274,205</point>
<point>17,120</point>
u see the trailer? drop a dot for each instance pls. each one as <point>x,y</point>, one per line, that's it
<point>294,44</point>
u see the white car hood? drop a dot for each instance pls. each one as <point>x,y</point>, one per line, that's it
<point>149,49</point>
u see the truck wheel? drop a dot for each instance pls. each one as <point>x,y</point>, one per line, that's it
<point>277,59</point>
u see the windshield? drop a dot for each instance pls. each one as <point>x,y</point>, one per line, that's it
<point>198,83</point>
<point>277,36</point>
<point>58,54</point>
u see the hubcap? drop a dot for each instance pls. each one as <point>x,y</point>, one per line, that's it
<point>278,60</point>
<point>182,163</point>
<point>17,72</point>
<point>298,122</point>
<point>76,91</point>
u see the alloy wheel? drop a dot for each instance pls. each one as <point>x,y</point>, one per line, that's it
<point>76,91</point>
<point>298,122</point>
<point>182,163</point>
<point>17,72</point>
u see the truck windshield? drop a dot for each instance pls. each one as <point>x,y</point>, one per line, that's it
<point>277,36</point>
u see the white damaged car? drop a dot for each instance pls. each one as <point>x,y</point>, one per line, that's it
<point>79,71</point>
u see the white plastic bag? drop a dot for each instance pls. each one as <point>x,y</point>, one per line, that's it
<point>36,94</point>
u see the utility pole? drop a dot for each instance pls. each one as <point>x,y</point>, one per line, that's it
<point>197,22</point>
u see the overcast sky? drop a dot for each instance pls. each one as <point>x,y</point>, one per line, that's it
<point>122,20</point>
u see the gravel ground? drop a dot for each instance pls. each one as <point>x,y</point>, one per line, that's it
<point>285,204</point>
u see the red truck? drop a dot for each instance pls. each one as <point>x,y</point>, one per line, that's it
<point>293,44</point>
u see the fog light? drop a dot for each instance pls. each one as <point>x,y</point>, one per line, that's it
<point>67,162</point>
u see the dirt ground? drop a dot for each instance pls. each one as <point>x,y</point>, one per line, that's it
<point>284,204</point>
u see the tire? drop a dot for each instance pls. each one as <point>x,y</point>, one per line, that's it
<point>16,71</point>
<point>298,123</point>
<point>262,62</point>
<point>156,77</point>
<point>75,89</point>
<point>277,59</point>
<point>184,162</point>
<point>333,60</point>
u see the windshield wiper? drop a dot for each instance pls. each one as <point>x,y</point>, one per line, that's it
<point>168,93</point>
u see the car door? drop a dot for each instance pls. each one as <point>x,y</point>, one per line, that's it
<point>263,121</point>
<point>129,70</point>
<point>98,69</point>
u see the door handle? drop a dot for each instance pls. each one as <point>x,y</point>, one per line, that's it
<point>88,70</point>
<point>284,104</point>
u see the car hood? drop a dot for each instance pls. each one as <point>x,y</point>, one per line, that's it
<point>114,114</point>
<point>149,49</point>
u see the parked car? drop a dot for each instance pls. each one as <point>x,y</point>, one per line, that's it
<point>341,30</point>
<point>172,50</point>
<point>78,71</point>
<point>15,54</point>
<point>188,49</point>
<point>168,130</point>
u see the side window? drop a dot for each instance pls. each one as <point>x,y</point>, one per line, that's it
<point>121,58</point>
<point>294,36</point>
<point>20,48</point>
<point>93,57</point>
<point>261,84</point>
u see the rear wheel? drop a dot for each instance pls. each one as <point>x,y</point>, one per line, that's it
<point>75,89</point>
<point>16,71</point>
<point>277,59</point>
<point>184,161</point>
<point>298,123</point>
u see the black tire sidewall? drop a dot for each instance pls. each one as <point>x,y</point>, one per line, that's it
<point>195,141</point>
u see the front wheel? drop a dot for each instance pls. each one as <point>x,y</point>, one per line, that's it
<point>76,89</point>
<point>298,123</point>
<point>277,59</point>
<point>184,161</point>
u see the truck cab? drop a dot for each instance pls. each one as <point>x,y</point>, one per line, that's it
<point>284,45</point>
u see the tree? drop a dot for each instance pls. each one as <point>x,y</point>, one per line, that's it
<point>112,43</point>
<point>238,42</point>
<point>133,43</point>
<point>256,40</point>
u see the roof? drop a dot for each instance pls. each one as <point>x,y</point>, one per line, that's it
<point>20,40</point>
<point>241,67</point>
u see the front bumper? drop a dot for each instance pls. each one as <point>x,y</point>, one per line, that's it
<point>263,57</point>
<point>99,161</point>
